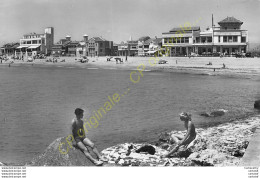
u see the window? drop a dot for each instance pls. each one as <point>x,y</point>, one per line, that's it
<point>43,41</point>
<point>224,38</point>
<point>182,40</point>
<point>186,40</point>
<point>234,38</point>
<point>29,42</point>
<point>219,39</point>
<point>39,41</point>
<point>230,39</point>
<point>34,42</point>
<point>209,39</point>
<point>243,39</point>
<point>198,39</point>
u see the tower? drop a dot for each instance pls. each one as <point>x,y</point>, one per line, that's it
<point>85,38</point>
<point>49,39</point>
<point>68,38</point>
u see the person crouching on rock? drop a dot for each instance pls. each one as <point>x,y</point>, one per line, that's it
<point>81,140</point>
<point>188,138</point>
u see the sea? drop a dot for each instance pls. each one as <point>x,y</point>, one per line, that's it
<point>38,103</point>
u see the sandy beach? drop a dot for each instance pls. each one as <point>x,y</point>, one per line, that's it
<point>184,64</point>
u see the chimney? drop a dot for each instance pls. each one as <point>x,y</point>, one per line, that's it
<point>68,38</point>
<point>85,38</point>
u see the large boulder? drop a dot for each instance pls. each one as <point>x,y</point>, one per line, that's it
<point>216,113</point>
<point>52,156</point>
<point>257,104</point>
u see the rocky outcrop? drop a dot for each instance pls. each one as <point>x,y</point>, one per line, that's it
<point>53,157</point>
<point>257,104</point>
<point>216,113</point>
<point>223,145</point>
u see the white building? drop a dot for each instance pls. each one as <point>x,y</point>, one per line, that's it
<point>226,39</point>
<point>33,43</point>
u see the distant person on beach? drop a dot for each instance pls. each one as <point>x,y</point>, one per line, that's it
<point>188,138</point>
<point>81,140</point>
<point>224,66</point>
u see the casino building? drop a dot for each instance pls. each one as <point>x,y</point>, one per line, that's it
<point>227,39</point>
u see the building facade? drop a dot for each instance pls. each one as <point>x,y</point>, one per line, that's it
<point>97,46</point>
<point>61,48</point>
<point>9,48</point>
<point>33,43</point>
<point>227,39</point>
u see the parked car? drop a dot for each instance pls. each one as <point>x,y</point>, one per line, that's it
<point>162,61</point>
<point>240,55</point>
<point>249,55</point>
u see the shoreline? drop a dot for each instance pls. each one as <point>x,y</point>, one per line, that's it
<point>101,64</point>
<point>222,145</point>
<point>208,137</point>
<point>197,65</point>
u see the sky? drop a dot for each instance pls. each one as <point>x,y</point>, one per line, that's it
<point>117,20</point>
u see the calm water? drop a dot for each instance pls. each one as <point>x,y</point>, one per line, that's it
<point>37,104</point>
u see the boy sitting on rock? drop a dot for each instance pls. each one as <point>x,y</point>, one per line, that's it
<point>81,140</point>
<point>188,138</point>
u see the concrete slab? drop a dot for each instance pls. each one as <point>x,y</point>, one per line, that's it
<point>252,154</point>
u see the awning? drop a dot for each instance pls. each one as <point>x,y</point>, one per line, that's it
<point>19,47</point>
<point>33,47</point>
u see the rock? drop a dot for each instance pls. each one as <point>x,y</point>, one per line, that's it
<point>146,148</point>
<point>218,113</point>
<point>207,157</point>
<point>215,113</point>
<point>257,104</point>
<point>53,157</point>
<point>183,153</point>
<point>165,146</point>
<point>204,114</point>
<point>164,137</point>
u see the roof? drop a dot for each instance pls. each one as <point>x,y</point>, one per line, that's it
<point>132,42</point>
<point>176,29</point>
<point>98,39</point>
<point>10,45</point>
<point>28,34</point>
<point>143,38</point>
<point>148,41</point>
<point>74,43</point>
<point>230,20</point>
<point>157,40</point>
